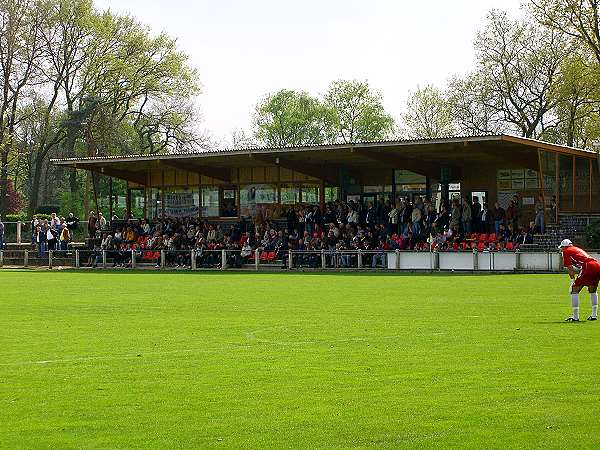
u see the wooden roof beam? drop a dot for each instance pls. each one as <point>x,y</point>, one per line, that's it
<point>310,170</point>
<point>136,177</point>
<point>396,161</point>
<point>212,172</point>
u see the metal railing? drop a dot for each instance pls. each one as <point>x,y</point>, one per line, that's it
<point>318,260</point>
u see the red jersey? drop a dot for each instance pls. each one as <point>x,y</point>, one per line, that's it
<point>574,256</point>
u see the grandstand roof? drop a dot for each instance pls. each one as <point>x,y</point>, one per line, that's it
<point>425,156</point>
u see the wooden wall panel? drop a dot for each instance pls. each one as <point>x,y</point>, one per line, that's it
<point>286,174</point>
<point>245,175</point>
<point>258,175</point>
<point>156,177</point>
<point>272,174</point>
<point>182,178</point>
<point>170,177</point>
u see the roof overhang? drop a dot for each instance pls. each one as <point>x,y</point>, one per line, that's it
<point>425,156</point>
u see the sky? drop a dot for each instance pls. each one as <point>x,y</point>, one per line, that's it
<point>244,50</point>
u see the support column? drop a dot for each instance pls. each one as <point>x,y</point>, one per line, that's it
<point>128,204</point>
<point>20,224</point>
<point>77,260</point>
<point>541,184</point>
<point>574,184</point>
<point>50,259</point>
<point>322,196</point>
<point>110,196</point>
<point>162,195</point>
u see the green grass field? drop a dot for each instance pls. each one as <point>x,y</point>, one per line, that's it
<point>252,361</point>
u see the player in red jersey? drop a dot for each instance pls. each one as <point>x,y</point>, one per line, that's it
<point>589,276</point>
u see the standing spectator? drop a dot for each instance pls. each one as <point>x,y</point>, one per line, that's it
<point>476,214</point>
<point>72,223</point>
<point>65,238</point>
<point>455,216</point>
<point>539,215</point>
<point>393,220</point>
<point>416,217</point>
<point>92,225</point>
<point>51,238</point>
<point>54,222</point>
<point>1,234</point>
<point>41,240</point>
<point>512,215</point>
<point>499,215</point>
<point>102,221</point>
<point>466,216</point>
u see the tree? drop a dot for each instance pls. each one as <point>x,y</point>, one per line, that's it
<point>289,118</point>
<point>357,112</point>
<point>577,93</point>
<point>21,47</point>
<point>578,19</point>
<point>518,64</point>
<point>428,114</point>
<point>471,113</point>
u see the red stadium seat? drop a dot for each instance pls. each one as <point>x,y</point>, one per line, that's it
<point>264,256</point>
<point>481,246</point>
<point>492,237</point>
<point>510,246</point>
<point>271,256</point>
<point>455,246</point>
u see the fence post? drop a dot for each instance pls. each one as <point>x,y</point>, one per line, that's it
<point>133,259</point>
<point>1,258</point>
<point>518,259</point>
<point>19,232</point>
<point>323,262</point>
<point>436,260</point>
<point>223,259</point>
<point>475,260</point>
<point>560,262</point>
<point>77,260</point>
<point>50,259</point>
<point>359,259</point>
<point>104,259</point>
<point>163,259</point>
<point>256,259</point>
<point>397,258</point>
<point>193,259</point>
<point>26,258</point>
<point>290,262</point>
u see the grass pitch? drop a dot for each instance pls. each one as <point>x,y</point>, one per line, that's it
<point>248,361</point>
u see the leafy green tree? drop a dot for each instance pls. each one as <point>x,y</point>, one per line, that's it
<point>289,118</point>
<point>578,19</point>
<point>357,112</point>
<point>517,65</point>
<point>428,114</point>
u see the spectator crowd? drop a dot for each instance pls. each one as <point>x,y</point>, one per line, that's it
<point>338,232</point>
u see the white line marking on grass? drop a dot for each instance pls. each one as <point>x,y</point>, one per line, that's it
<point>251,335</point>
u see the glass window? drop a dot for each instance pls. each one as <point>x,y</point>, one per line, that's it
<point>181,203</point>
<point>256,194</point>
<point>408,177</point>
<point>565,182</point>
<point>582,184</point>
<point>289,194</point>
<point>332,194</point>
<point>154,204</point>
<point>310,194</point>
<point>210,202</point>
